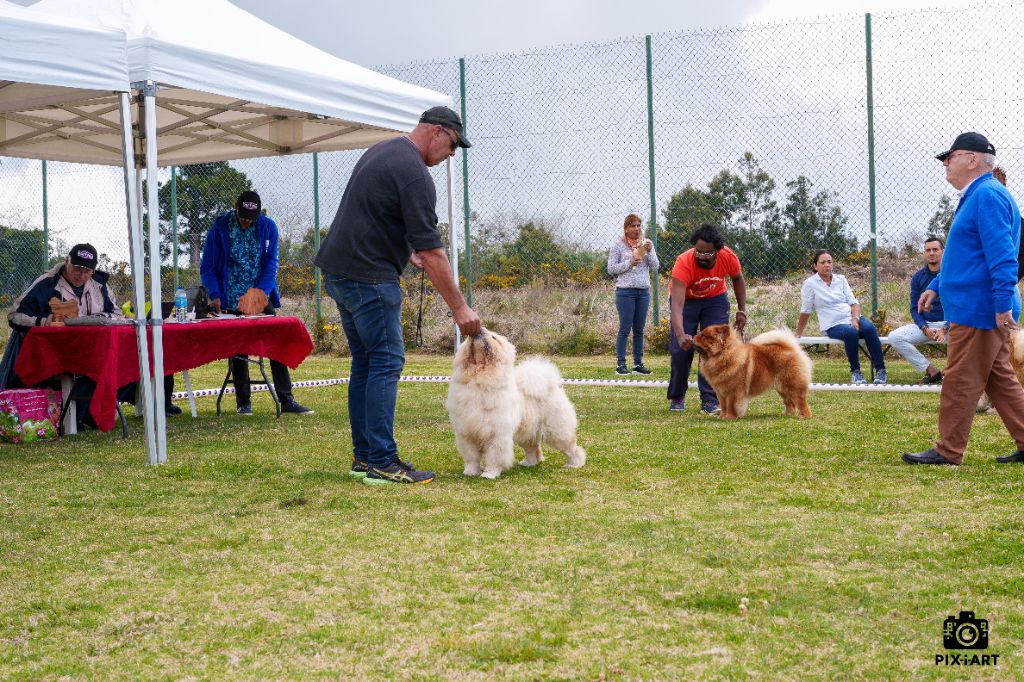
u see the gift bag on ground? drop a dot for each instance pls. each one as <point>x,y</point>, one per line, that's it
<point>28,415</point>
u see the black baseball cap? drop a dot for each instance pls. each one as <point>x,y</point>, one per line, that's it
<point>449,119</point>
<point>969,142</point>
<point>248,205</point>
<point>83,255</point>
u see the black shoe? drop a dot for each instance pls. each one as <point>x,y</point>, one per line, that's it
<point>360,467</point>
<point>397,472</point>
<point>930,456</point>
<point>639,368</point>
<point>292,407</point>
<point>622,369</point>
<point>172,410</point>
<point>87,423</point>
<point>1017,456</point>
<point>931,379</point>
<point>244,410</point>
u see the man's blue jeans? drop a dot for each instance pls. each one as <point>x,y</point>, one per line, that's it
<point>371,315</point>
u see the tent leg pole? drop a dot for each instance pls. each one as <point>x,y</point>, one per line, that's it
<point>155,320</point>
<point>138,270</point>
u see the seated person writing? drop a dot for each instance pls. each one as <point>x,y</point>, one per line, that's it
<point>239,270</point>
<point>70,289</point>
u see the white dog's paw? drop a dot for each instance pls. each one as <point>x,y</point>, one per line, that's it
<point>528,462</point>
<point>491,473</point>
<point>471,470</point>
<point>577,459</point>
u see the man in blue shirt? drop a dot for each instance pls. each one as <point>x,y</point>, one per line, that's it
<point>978,287</point>
<point>929,326</point>
<point>240,263</point>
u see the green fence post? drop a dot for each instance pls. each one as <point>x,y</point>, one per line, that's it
<point>316,229</point>
<point>655,308</point>
<point>46,224</point>
<point>174,223</point>
<point>871,170</point>
<point>465,188</point>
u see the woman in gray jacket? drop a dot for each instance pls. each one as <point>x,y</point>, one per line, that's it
<point>632,260</point>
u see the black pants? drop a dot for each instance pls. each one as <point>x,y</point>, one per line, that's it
<point>85,387</point>
<point>240,378</point>
<point>240,375</point>
<point>698,313</point>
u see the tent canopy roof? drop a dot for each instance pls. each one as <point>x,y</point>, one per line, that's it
<point>231,86</point>
<point>57,65</point>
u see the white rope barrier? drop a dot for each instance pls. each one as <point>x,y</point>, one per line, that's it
<point>636,383</point>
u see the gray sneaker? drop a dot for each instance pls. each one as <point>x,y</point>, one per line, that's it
<point>880,376</point>
<point>397,472</point>
<point>857,378</point>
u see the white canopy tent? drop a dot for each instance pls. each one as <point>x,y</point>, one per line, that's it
<point>63,76</point>
<point>216,83</point>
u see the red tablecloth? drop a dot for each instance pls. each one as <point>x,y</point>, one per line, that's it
<point>108,355</point>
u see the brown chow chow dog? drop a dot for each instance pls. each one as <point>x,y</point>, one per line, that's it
<point>1017,360</point>
<point>739,371</point>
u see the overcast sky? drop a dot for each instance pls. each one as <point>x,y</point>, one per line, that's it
<point>406,31</point>
<point>399,31</point>
<point>423,31</point>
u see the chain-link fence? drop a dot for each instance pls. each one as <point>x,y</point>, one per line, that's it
<point>764,130</point>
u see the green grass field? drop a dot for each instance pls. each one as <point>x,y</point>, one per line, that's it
<point>252,555</point>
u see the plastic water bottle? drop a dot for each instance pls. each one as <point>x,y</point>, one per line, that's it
<point>180,306</point>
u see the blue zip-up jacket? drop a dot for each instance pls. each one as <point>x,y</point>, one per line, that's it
<point>213,269</point>
<point>979,274</point>
<point>918,283</point>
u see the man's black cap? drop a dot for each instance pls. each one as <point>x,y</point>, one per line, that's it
<point>969,142</point>
<point>449,119</point>
<point>248,205</point>
<point>83,255</point>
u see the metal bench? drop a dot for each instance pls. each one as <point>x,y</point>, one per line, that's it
<point>828,341</point>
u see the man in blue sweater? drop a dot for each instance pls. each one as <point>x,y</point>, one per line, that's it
<point>240,264</point>
<point>929,326</point>
<point>978,288</point>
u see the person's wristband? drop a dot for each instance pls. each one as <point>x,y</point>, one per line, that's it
<point>741,312</point>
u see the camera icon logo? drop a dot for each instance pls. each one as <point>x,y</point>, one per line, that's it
<point>965,632</point>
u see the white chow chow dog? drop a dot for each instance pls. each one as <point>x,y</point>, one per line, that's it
<point>493,403</point>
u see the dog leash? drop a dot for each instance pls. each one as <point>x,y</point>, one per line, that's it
<point>419,316</point>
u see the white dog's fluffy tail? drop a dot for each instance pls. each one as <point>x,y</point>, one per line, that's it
<point>537,377</point>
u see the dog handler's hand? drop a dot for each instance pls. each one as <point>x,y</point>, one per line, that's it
<point>468,321</point>
<point>924,303</point>
<point>741,320</point>
<point>687,342</point>
<point>1006,321</point>
<point>416,259</point>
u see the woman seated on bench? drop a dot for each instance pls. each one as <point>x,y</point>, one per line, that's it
<point>829,295</point>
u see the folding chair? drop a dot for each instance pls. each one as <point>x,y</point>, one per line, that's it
<point>263,372</point>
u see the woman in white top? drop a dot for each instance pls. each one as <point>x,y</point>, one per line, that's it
<point>829,295</point>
